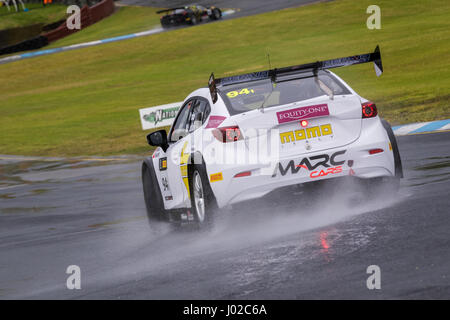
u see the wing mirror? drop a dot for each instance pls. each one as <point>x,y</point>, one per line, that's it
<point>158,139</point>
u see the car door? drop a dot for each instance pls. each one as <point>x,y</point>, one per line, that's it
<point>177,155</point>
<point>181,140</point>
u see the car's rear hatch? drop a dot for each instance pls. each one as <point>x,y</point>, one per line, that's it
<point>329,124</point>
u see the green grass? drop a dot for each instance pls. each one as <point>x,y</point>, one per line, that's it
<point>86,102</point>
<point>124,21</point>
<point>36,15</point>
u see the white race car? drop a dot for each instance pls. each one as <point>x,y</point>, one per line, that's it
<point>248,135</point>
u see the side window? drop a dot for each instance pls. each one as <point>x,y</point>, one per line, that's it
<point>200,112</point>
<point>180,127</point>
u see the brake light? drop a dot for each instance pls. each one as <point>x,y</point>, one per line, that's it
<point>369,110</point>
<point>374,151</point>
<point>227,134</point>
<point>304,123</point>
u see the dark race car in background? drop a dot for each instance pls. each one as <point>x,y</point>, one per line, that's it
<point>188,15</point>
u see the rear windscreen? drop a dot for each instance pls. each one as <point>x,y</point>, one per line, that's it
<point>252,95</point>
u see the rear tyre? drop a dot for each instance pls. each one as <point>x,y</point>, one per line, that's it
<point>203,202</point>
<point>216,14</point>
<point>193,20</point>
<point>152,195</point>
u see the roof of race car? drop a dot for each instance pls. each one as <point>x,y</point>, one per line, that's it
<point>180,8</point>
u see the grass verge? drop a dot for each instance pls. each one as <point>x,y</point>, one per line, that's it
<point>86,102</point>
<point>125,20</point>
<point>37,14</point>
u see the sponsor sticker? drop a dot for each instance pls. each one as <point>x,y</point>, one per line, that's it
<point>214,121</point>
<point>156,153</point>
<point>245,77</point>
<point>163,164</point>
<point>159,116</point>
<point>319,110</point>
<point>184,157</point>
<point>308,133</point>
<point>324,173</point>
<point>165,183</point>
<point>312,163</point>
<point>216,177</point>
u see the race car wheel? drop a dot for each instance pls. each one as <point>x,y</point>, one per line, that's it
<point>152,194</point>
<point>193,20</point>
<point>202,198</point>
<point>198,197</point>
<point>216,14</point>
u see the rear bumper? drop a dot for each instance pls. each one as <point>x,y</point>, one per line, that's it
<point>351,160</point>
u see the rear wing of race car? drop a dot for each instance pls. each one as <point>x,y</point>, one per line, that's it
<point>297,70</point>
<point>168,10</point>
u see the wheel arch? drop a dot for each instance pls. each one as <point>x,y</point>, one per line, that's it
<point>393,140</point>
<point>157,200</point>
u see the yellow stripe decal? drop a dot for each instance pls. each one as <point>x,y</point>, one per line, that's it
<point>184,157</point>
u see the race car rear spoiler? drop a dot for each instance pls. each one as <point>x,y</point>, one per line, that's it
<point>313,68</point>
<point>170,9</point>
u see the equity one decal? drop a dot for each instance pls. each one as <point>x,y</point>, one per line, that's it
<point>319,110</point>
<point>312,163</point>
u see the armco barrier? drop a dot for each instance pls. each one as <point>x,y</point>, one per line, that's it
<point>89,15</point>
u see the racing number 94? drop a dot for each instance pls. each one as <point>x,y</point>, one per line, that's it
<point>235,93</point>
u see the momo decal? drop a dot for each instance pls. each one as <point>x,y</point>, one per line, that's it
<point>308,133</point>
<point>311,163</point>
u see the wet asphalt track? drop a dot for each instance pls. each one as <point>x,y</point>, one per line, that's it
<point>59,213</point>
<point>243,8</point>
